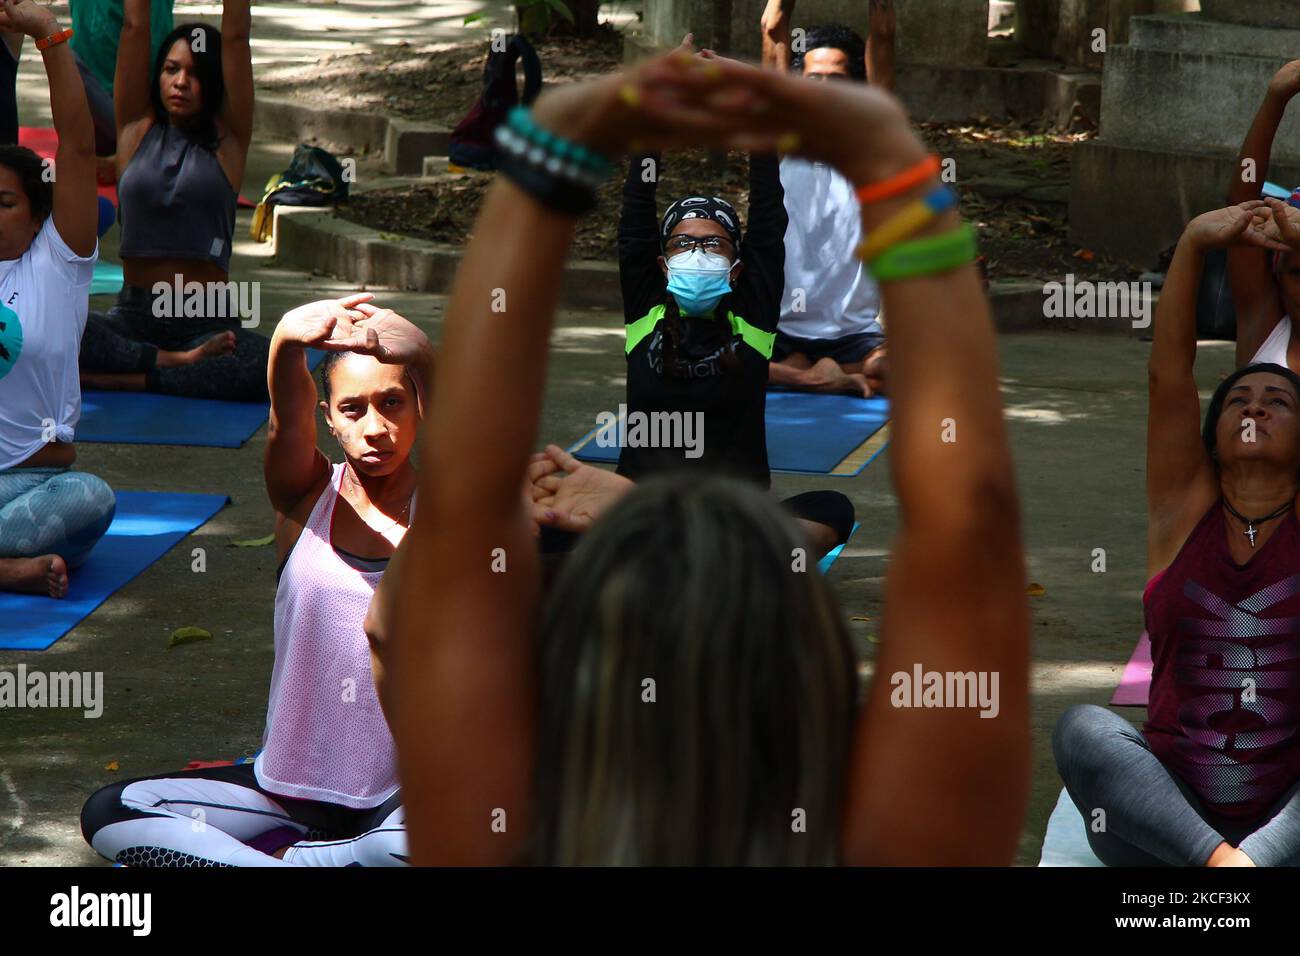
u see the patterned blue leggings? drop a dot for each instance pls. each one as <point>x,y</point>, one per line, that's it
<point>53,511</point>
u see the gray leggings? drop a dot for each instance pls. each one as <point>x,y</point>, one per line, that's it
<point>1153,818</point>
<point>53,511</point>
<point>128,337</point>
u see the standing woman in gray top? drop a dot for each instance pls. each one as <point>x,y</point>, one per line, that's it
<point>182,132</point>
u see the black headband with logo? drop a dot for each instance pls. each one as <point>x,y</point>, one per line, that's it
<point>701,207</point>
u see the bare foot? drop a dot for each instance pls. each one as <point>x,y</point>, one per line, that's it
<point>223,343</point>
<point>47,574</point>
<point>827,376</point>
<point>876,369</point>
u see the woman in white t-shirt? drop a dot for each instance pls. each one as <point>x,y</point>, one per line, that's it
<point>50,516</point>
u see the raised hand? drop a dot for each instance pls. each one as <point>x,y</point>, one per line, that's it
<point>1246,224</point>
<point>383,333</point>
<point>569,495</point>
<point>1284,225</point>
<point>27,17</point>
<point>314,323</point>
<point>673,101</point>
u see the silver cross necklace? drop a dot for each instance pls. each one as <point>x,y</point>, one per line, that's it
<point>1250,523</point>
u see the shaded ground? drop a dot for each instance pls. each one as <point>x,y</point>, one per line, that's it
<point>435,83</point>
<point>1076,407</point>
<point>444,210</point>
<point>1013,180</point>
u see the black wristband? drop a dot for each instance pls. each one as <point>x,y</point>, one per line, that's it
<point>560,195</point>
<point>557,182</point>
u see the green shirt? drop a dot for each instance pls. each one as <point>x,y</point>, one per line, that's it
<point>97,26</point>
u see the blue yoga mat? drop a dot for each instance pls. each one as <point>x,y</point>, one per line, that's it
<point>146,526</point>
<point>807,433</point>
<point>143,418</point>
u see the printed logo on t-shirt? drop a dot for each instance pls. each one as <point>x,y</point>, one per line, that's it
<point>11,339</point>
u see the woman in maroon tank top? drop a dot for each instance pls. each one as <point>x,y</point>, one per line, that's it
<point>1214,777</point>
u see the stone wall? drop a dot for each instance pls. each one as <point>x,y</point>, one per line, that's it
<point>1062,29</point>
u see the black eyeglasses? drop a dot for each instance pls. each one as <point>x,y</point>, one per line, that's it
<point>708,243</point>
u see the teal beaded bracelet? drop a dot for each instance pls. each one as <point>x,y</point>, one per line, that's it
<point>521,121</point>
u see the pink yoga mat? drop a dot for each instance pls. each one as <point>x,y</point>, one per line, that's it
<point>1135,686</point>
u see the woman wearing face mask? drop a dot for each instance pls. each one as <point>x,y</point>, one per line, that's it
<point>323,791</point>
<point>701,303</point>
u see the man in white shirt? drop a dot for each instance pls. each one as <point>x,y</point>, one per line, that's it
<point>829,338</point>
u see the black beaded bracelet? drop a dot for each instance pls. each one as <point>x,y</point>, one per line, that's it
<point>560,175</point>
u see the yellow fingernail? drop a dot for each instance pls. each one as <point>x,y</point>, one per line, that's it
<point>788,142</point>
<point>712,70</point>
<point>629,95</point>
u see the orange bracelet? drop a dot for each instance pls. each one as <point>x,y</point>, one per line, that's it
<point>54,39</point>
<point>875,192</point>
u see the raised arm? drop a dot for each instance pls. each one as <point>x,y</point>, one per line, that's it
<point>460,666</point>
<point>934,785</point>
<point>292,464</point>
<point>237,72</point>
<point>883,25</point>
<point>1181,482</point>
<point>945,786</point>
<point>763,249</point>
<point>75,211</point>
<point>1255,294</point>
<point>775,25</point>
<point>132,102</point>
<point>639,275</point>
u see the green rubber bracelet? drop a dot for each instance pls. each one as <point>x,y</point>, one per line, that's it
<point>925,257</point>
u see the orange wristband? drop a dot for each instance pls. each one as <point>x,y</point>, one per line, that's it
<point>875,192</point>
<point>54,39</point>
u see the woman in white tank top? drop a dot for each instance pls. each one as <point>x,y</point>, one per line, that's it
<point>324,789</point>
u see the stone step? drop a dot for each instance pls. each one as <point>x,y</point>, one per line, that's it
<point>1262,13</point>
<point>317,241</point>
<point>952,94</point>
<point>1195,33</point>
<point>1160,99</point>
<point>1133,202</point>
<point>403,143</point>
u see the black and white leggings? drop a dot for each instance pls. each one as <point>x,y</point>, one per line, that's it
<point>220,816</point>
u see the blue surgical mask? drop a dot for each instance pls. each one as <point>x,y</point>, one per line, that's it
<point>698,280</point>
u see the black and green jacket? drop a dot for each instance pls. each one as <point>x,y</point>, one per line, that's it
<point>733,401</point>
